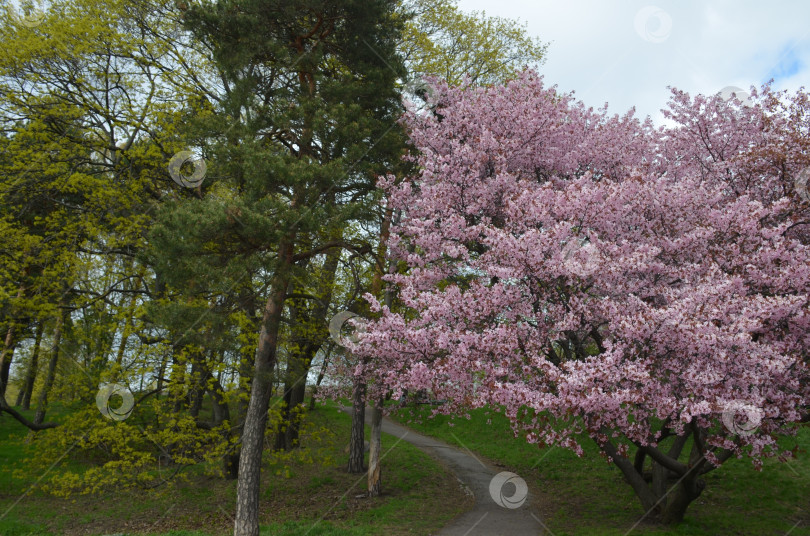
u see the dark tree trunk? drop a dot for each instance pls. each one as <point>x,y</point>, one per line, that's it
<point>292,411</point>
<point>689,486</point>
<point>280,442</point>
<point>7,353</point>
<point>161,372</point>
<point>249,481</point>
<point>243,398</point>
<point>199,375</point>
<point>20,395</point>
<point>292,376</point>
<point>129,285</point>
<point>311,334</point>
<point>679,500</point>
<point>31,374</point>
<point>219,407</point>
<point>42,404</point>
<point>357,444</point>
<point>222,414</point>
<point>177,384</point>
<point>321,374</point>
<point>375,445</point>
<point>6,356</point>
<point>296,412</point>
<point>122,348</point>
<point>195,394</point>
<point>671,486</point>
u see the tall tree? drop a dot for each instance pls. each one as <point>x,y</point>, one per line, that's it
<point>308,319</point>
<point>440,41</point>
<point>443,41</point>
<point>318,109</point>
<point>24,397</point>
<point>588,274</point>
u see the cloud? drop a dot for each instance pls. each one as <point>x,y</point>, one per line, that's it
<point>627,53</point>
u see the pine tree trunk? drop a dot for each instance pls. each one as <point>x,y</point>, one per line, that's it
<point>31,374</point>
<point>357,442</point>
<point>249,481</point>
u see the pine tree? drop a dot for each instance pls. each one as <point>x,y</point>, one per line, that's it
<point>307,122</point>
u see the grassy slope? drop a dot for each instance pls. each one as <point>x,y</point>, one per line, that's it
<point>310,499</point>
<point>588,496</point>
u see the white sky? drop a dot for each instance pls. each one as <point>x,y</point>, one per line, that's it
<point>626,53</point>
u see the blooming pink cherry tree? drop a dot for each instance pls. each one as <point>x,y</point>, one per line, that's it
<point>587,275</point>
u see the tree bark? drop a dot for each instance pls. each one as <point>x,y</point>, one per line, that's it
<point>666,494</point>
<point>31,374</point>
<point>219,407</point>
<point>296,410</point>
<point>125,333</point>
<point>357,439</point>
<point>222,414</point>
<point>6,357</point>
<point>689,486</point>
<point>7,354</point>
<point>246,522</point>
<point>42,404</point>
<point>161,372</point>
<point>321,374</point>
<point>292,377</point>
<point>4,407</point>
<point>375,442</point>
<point>311,334</point>
<point>375,445</point>
<point>196,390</point>
<point>177,383</point>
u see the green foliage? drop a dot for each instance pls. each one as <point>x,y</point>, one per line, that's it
<point>441,40</point>
<point>318,444</point>
<point>307,500</point>
<point>162,284</point>
<point>108,455</point>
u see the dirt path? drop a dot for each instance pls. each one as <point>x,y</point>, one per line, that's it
<point>487,518</point>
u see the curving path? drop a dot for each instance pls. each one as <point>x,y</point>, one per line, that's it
<point>486,518</point>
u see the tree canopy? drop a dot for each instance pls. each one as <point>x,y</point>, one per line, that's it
<point>592,275</point>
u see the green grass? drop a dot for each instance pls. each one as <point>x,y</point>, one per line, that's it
<point>588,496</point>
<point>576,496</point>
<point>297,499</point>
